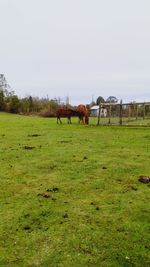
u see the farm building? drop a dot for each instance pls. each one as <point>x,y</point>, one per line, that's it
<point>95,111</point>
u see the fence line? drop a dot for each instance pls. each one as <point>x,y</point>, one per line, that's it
<point>125,112</point>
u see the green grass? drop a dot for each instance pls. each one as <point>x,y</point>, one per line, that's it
<point>73,199</point>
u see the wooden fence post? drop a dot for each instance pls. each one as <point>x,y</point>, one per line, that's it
<point>109,121</point>
<point>99,115</point>
<point>143,111</point>
<point>120,112</point>
<point>129,112</point>
<point>136,111</point>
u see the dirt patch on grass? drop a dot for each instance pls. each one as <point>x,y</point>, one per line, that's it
<point>54,189</point>
<point>144,179</point>
<point>130,188</point>
<point>45,195</point>
<point>65,141</point>
<point>27,228</point>
<point>48,195</point>
<point>28,147</point>
<point>34,135</point>
<point>104,168</point>
<point>65,216</point>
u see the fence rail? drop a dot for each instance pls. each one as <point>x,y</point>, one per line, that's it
<point>123,113</point>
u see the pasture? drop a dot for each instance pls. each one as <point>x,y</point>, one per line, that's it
<point>70,195</point>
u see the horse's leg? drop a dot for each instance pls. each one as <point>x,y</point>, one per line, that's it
<point>69,119</point>
<point>79,121</point>
<point>59,120</point>
<point>81,117</point>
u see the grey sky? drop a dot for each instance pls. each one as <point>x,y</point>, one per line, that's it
<point>78,48</point>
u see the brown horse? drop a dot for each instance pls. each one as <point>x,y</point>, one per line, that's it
<point>83,117</point>
<point>65,112</point>
<point>80,112</point>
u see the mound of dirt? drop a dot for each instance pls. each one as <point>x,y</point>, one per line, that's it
<point>104,168</point>
<point>144,179</point>
<point>34,135</point>
<point>28,147</point>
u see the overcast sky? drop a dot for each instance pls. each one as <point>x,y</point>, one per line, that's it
<point>76,48</point>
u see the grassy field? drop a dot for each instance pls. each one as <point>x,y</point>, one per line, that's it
<point>70,195</point>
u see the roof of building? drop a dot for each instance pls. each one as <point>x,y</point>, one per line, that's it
<point>95,107</point>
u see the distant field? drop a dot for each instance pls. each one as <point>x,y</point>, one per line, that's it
<point>70,195</point>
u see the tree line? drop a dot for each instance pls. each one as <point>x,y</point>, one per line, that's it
<point>10,102</point>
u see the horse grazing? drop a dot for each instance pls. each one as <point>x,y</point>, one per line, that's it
<point>83,114</point>
<point>66,113</point>
<point>80,112</point>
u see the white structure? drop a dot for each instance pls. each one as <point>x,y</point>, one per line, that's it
<point>95,111</point>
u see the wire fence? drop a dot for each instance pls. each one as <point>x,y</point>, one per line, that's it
<point>122,114</point>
